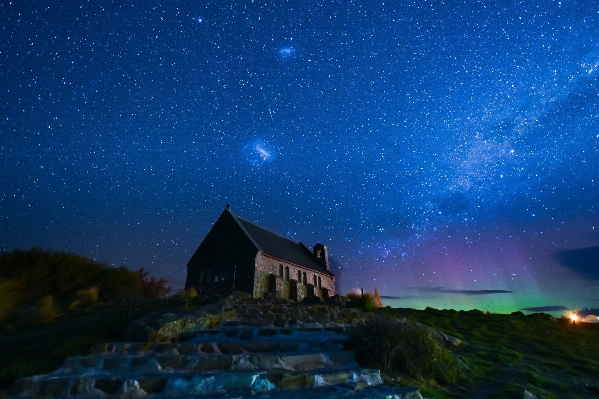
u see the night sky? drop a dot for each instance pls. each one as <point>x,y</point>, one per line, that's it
<point>445,152</point>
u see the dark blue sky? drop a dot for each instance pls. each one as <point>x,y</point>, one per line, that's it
<point>440,149</point>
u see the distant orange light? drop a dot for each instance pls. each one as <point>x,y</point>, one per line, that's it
<point>573,317</point>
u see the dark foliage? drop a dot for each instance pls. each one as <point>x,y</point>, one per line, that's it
<point>34,274</point>
<point>152,288</point>
<point>365,301</point>
<point>393,345</point>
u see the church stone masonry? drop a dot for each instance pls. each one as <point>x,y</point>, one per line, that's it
<point>242,256</point>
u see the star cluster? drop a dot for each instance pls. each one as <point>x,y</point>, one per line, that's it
<point>438,148</point>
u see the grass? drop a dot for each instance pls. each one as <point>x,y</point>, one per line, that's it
<point>506,354</point>
<point>396,346</point>
<point>29,349</point>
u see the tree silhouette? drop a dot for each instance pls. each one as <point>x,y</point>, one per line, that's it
<point>152,288</point>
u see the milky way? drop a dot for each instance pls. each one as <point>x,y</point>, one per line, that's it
<point>447,154</point>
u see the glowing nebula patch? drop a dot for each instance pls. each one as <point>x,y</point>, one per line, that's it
<point>258,152</point>
<point>286,52</point>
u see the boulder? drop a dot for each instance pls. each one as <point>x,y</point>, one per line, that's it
<point>337,300</point>
<point>446,338</point>
<point>168,326</point>
<point>528,395</point>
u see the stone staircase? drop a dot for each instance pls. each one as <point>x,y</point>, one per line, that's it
<point>277,356</point>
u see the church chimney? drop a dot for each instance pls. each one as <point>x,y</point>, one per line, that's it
<point>322,256</point>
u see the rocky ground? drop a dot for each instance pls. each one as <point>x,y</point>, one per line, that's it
<point>241,347</point>
<point>235,348</point>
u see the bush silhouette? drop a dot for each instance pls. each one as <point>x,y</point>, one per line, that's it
<point>49,311</point>
<point>11,296</point>
<point>394,345</point>
<point>365,301</point>
<point>152,288</point>
<point>29,277</point>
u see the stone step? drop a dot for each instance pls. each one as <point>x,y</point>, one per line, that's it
<point>211,347</point>
<point>250,340</point>
<point>175,384</point>
<point>308,333</point>
<point>160,363</point>
<point>339,392</point>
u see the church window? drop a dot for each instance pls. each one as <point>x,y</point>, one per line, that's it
<point>281,271</point>
<point>287,273</point>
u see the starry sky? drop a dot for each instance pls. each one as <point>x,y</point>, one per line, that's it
<point>447,152</point>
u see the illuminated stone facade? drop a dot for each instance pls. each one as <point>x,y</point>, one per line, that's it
<point>242,256</point>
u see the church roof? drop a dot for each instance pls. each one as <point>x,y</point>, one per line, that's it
<point>278,246</point>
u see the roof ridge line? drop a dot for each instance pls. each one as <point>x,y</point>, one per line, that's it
<point>236,218</point>
<point>270,231</point>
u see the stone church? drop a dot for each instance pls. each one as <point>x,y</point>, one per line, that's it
<point>242,256</point>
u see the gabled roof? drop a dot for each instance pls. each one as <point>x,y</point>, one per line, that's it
<point>278,246</point>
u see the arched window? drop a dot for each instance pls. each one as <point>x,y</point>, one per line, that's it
<point>315,281</point>
<point>281,271</point>
<point>287,273</point>
<point>319,282</point>
<point>299,276</point>
<point>305,279</point>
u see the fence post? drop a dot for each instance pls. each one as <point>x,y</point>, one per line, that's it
<point>128,311</point>
<point>234,275</point>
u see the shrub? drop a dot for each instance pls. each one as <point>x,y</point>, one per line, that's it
<point>393,345</point>
<point>152,288</point>
<point>188,294</point>
<point>365,301</point>
<point>191,298</point>
<point>49,311</point>
<point>43,272</point>
<point>84,298</point>
<point>10,296</point>
<point>88,296</point>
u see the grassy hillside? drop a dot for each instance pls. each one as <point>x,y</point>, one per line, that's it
<point>29,349</point>
<point>57,304</point>
<point>503,354</point>
<point>52,281</point>
<point>506,354</point>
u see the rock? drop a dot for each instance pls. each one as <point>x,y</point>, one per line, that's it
<point>446,338</point>
<point>131,389</point>
<point>141,329</point>
<point>239,295</point>
<point>528,395</point>
<point>366,378</point>
<point>197,321</point>
<point>311,300</point>
<point>338,300</point>
<point>168,326</point>
<point>236,359</point>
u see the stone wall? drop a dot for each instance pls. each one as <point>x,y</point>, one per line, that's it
<point>265,266</point>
